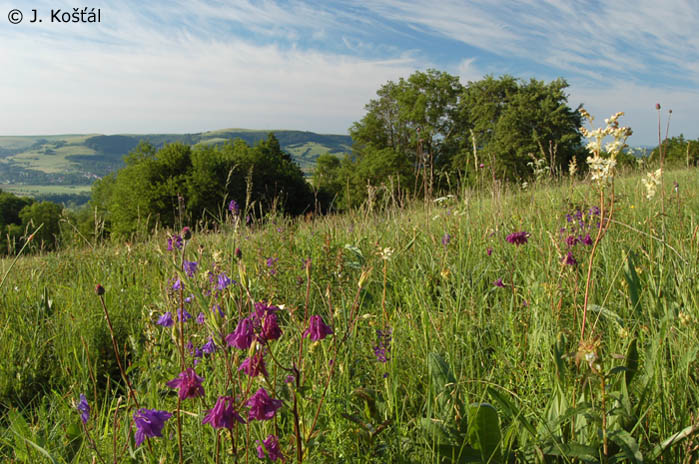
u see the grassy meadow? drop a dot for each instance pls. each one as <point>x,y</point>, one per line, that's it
<point>449,343</point>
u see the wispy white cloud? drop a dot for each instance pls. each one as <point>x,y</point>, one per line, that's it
<point>194,65</point>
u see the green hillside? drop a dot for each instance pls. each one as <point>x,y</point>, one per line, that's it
<point>43,163</point>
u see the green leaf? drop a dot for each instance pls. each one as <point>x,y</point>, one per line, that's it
<point>512,411</point>
<point>673,439</point>
<point>628,445</point>
<point>633,282</point>
<point>443,381</point>
<point>631,362</point>
<point>484,431</point>
<point>573,450</point>
<point>607,313</point>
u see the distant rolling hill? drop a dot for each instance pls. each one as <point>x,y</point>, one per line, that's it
<point>32,164</point>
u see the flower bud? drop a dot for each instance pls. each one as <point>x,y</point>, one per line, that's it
<point>99,290</point>
<point>238,253</point>
<point>657,106</point>
<point>186,233</point>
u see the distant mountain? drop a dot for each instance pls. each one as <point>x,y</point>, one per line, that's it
<point>78,159</point>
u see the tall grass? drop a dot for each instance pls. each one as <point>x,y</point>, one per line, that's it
<point>458,343</point>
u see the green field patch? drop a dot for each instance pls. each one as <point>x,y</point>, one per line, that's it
<point>33,190</point>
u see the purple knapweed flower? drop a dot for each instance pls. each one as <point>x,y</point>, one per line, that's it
<point>254,365</point>
<point>569,259</point>
<point>489,251</point>
<point>498,283</point>
<point>84,409</point>
<point>165,320</point>
<point>190,267</point>
<point>233,207</point>
<point>242,336</point>
<point>186,233</point>
<point>518,238</point>
<point>188,383</point>
<point>446,238</point>
<point>222,415</point>
<point>317,329</point>
<point>262,407</point>
<point>149,423</point>
<point>271,444</point>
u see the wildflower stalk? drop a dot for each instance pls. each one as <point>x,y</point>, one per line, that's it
<point>601,230</point>
<point>179,427</point>
<point>92,443</point>
<point>661,153</point>
<point>605,444</point>
<point>132,393</point>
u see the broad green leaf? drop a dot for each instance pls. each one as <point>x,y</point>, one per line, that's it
<point>484,431</point>
<point>633,282</point>
<point>628,445</point>
<point>673,439</point>
<point>573,450</point>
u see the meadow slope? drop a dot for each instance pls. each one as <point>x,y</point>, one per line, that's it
<point>450,343</point>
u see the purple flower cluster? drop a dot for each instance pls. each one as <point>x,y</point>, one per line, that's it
<point>518,238</point>
<point>254,365</point>
<point>190,267</point>
<point>271,265</point>
<point>579,225</point>
<point>174,242</point>
<point>84,409</point>
<point>233,207</point>
<point>188,383</point>
<point>149,423</point>
<point>271,444</point>
<point>261,325</point>
<point>223,415</point>
<point>317,329</point>
<point>382,349</point>
<point>165,320</point>
<point>446,238</point>
<point>262,406</point>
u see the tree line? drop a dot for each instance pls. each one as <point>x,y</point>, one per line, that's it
<point>422,136</point>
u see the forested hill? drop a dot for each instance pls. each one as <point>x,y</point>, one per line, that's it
<point>54,159</point>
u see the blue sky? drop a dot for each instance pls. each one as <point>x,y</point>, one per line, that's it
<point>190,66</point>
